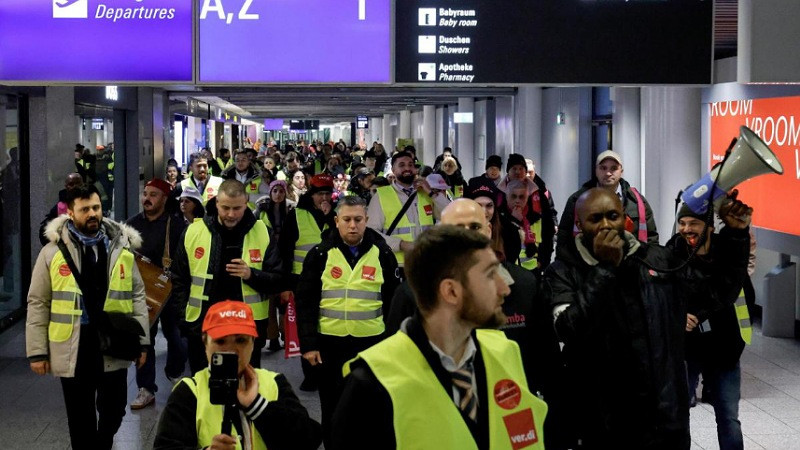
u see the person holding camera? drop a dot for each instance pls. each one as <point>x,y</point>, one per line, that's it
<point>85,286</point>
<point>263,410</point>
<point>228,255</point>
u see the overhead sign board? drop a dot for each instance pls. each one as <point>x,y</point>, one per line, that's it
<point>96,40</point>
<point>553,41</point>
<point>310,41</point>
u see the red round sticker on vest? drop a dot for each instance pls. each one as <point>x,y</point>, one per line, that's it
<point>64,271</point>
<point>507,394</point>
<point>336,272</point>
<point>199,252</point>
<point>210,190</point>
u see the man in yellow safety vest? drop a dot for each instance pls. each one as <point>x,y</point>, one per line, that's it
<point>85,275</point>
<point>386,205</point>
<point>200,179</point>
<point>346,285</point>
<point>441,381</point>
<point>226,256</point>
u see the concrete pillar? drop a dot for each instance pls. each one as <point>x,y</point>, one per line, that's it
<point>528,123</point>
<point>52,138</point>
<point>388,135</point>
<point>404,128</point>
<point>465,149</point>
<point>441,127</point>
<point>429,142</point>
<point>627,139</point>
<point>671,148</point>
<point>375,131</point>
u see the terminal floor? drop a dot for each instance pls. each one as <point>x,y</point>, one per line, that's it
<point>32,412</point>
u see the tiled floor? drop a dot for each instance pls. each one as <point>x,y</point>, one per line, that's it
<point>32,412</point>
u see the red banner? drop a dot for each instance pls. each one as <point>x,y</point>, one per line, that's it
<point>291,340</point>
<point>776,121</point>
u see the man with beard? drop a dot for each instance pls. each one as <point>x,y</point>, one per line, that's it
<point>345,287</point>
<point>622,324</point>
<point>714,340</point>
<point>225,256</point>
<point>206,184</point>
<point>154,224</point>
<point>85,273</point>
<point>423,207</point>
<point>440,379</point>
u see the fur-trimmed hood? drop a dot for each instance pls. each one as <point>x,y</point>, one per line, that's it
<point>129,237</point>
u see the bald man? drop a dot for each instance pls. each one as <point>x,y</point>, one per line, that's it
<point>622,326</point>
<point>528,320</point>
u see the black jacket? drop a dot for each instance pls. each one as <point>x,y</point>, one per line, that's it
<point>309,289</point>
<point>714,282</point>
<point>565,240</point>
<point>364,415</point>
<point>290,234</point>
<point>623,333</point>
<point>268,280</point>
<point>544,246</point>
<point>284,424</point>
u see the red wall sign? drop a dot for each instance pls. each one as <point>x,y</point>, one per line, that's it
<point>775,198</point>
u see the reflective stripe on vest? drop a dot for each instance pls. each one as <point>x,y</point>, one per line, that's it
<point>642,233</point>
<point>197,244</point>
<point>516,416</point>
<point>308,236</point>
<point>65,306</point>
<point>743,318</point>
<point>530,263</point>
<point>208,417</point>
<point>120,285</point>
<point>351,302</point>
<point>391,206</point>
<point>210,189</point>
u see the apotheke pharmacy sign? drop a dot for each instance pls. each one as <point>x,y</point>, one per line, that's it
<point>96,40</point>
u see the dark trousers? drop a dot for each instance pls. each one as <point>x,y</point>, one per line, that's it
<point>92,393</point>
<point>197,351</point>
<point>335,351</point>
<point>176,350</point>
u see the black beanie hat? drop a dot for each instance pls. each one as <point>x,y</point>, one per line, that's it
<point>685,211</point>
<point>515,159</point>
<point>494,161</point>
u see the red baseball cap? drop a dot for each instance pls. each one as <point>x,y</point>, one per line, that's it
<point>160,184</point>
<point>229,317</point>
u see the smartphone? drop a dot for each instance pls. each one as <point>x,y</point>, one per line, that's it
<point>231,252</point>
<point>224,380</point>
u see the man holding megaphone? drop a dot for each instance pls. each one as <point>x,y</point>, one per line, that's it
<point>715,275</point>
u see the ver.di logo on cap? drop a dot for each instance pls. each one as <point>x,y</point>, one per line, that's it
<point>70,9</point>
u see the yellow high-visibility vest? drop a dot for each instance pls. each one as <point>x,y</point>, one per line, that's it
<point>743,317</point>
<point>391,206</point>
<point>308,236</point>
<point>198,250</point>
<point>530,263</point>
<point>208,417</point>
<point>65,305</point>
<point>351,302</point>
<point>210,190</point>
<point>516,416</point>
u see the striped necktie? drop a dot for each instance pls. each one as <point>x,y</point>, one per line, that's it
<point>462,380</point>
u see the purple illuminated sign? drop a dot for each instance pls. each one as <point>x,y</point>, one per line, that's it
<point>273,124</point>
<point>96,40</point>
<point>285,41</point>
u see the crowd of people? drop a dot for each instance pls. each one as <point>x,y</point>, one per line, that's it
<point>433,311</point>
